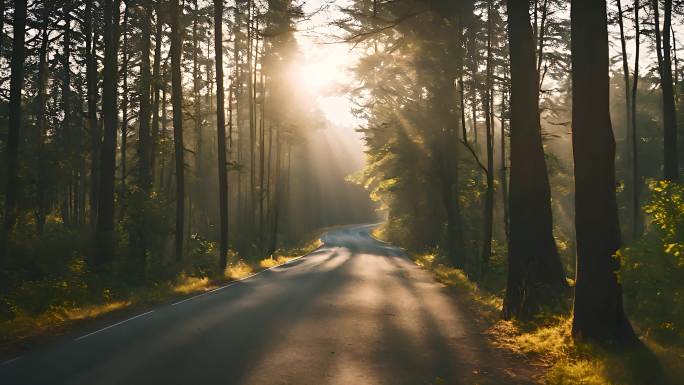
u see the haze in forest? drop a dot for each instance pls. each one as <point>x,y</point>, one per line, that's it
<point>342,191</point>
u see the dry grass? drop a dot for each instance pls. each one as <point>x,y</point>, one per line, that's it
<point>26,326</point>
<point>548,342</point>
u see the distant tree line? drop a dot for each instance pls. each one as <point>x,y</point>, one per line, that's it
<point>135,134</point>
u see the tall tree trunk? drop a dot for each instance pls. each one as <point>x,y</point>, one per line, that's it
<point>625,66</point>
<point>156,85</point>
<point>144,145</point>
<point>221,132</point>
<point>252,123</point>
<point>124,99</point>
<point>261,164</point>
<point>277,198</point>
<point>93,126</point>
<point>634,138</point>
<point>177,104</point>
<point>67,126</point>
<point>197,120</point>
<point>540,42</point>
<point>671,159</point>
<point>41,119</point>
<point>598,311</point>
<point>628,97</point>
<point>489,195</point>
<point>504,171</point>
<point>15,121</point>
<point>535,272</point>
<point>104,237</point>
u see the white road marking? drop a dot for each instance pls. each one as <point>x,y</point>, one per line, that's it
<point>111,326</point>
<point>185,300</point>
<point>10,361</point>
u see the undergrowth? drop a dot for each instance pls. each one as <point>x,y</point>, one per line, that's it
<point>29,321</point>
<point>547,342</point>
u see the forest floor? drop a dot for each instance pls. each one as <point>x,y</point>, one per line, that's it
<point>547,344</point>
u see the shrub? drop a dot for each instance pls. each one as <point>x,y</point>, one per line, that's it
<point>653,267</point>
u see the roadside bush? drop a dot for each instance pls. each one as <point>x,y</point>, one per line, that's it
<point>653,267</point>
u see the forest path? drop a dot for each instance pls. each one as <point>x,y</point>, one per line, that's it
<point>356,311</point>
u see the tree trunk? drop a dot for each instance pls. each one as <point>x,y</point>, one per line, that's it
<point>15,121</point>
<point>177,104</point>
<point>67,126</point>
<point>93,126</point>
<point>124,99</point>
<point>598,310</point>
<point>671,159</point>
<point>105,209</point>
<point>41,120</point>
<point>156,85</point>
<point>535,272</point>
<point>144,145</point>
<point>634,139</point>
<point>504,171</point>
<point>221,132</point>
<point>262,154</point>
<point>489,195</point>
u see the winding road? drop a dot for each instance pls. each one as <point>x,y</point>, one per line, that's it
<point>354,312</point>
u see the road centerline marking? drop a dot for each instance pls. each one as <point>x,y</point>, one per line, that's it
<point>116,324</point>
<point>10,360</point>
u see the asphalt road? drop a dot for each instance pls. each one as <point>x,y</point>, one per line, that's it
<point>355,311</point>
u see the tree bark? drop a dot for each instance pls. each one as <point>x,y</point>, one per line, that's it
<point>93,126</point>
<point>104,237</point>
<point>598,311</point>
<point>124,99</point>
<point>671,159</point>
<point>156,85</point>
<point>221,131</point>
<point>489,195</point>
<point>15,121</point>
<point>535,273</point>
<point>634,139</point>
<point>144,145</point>
<point>177,104</point>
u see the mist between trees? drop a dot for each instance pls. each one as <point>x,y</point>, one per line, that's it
<point>148,139</point>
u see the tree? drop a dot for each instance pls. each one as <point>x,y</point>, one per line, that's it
<point>93,126</point>
<point>598,311</point>
<point>636,180</point>
<point>671,160</point>
<point>221,129</point>
<point>177,104</point>
<point>15,121</point>
<point>144,140</point>
<point>535,272</point>
<point>105,209</point>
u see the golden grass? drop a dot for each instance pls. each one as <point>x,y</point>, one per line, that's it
<point>548,342</point>
<point>380,233</point>
<point>189,285</point>
<point>93,311</point>
<point>26,326</point>
<point>239,270</point>
<point>270,262</point>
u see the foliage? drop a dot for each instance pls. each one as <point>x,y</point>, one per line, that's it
<point>653,267</point>
<point>547,341</point>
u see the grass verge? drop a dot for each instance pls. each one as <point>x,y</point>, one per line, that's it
<point>548,345</point>
<point>26,330</point>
